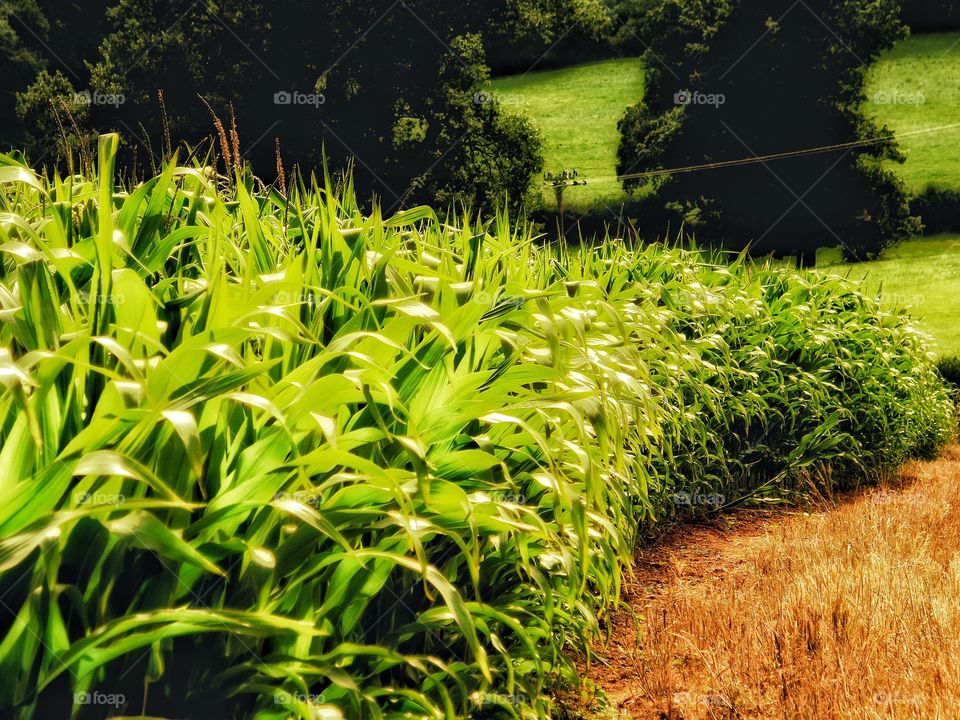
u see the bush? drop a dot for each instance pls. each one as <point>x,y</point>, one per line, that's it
<point>938,208</point>
<point>52,102</point>
<point>264,456</point>
<point>484,155</point>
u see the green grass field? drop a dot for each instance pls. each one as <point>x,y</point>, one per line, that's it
<point>916,86</point>
<point>923,275</point>
<point>577,110</point>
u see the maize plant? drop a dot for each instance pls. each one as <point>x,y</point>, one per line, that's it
<point>266,456</point>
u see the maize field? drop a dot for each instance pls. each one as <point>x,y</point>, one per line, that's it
<point>267,456</point>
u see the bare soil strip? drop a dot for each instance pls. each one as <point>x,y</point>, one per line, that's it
<point>848,611</point>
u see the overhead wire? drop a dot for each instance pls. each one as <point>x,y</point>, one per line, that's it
<point>769,158</point>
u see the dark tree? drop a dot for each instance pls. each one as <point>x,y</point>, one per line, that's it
<point>396,88</point>
<point>931,15</point>
<point>22,30</point>
<point>730,80</point>
<point>45,45</point>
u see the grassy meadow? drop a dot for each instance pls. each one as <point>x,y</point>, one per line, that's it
<point>577,110</point>
<point>354,466</point>
<point>922,275</point>
<point>916,86</point>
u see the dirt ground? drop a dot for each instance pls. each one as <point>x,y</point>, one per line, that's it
<point>850,609</point>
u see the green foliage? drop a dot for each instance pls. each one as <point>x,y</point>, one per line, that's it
<point>683,31</point>
<point>267,457</point>
<point>546,21</point>
<point>530,34</point>
<point>483,155</point>
<point>144,51</point>
<point>921,276</point>
<point>397,83</point>
<point>51,101</point>
<point>912,89</point>
<point>576,109</point>
<point>16,49</point>
<point>627,35</point>
<point>22,61</point>
<point>43,38</point>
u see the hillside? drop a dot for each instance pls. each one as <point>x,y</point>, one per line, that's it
<point>577,110</point>
<point>916,87</point>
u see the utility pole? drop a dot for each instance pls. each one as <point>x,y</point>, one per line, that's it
<point>560,182</point>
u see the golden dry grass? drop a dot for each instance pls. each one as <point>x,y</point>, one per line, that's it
<point>849,612</point>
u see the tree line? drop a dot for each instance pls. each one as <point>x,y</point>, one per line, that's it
<point>395,88</point>
<point>396,91</point>
<point>731,79</point>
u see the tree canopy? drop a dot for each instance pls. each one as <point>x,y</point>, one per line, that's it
<point>397,88</point>
<point>729,80</point>
<point>931,15</point>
